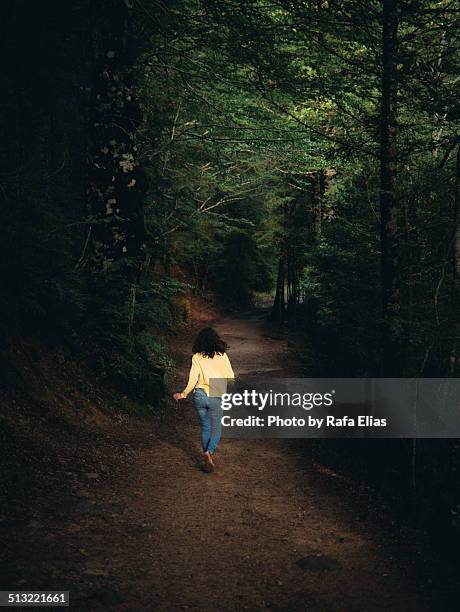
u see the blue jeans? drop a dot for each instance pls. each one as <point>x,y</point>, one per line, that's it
<point>209,410</point>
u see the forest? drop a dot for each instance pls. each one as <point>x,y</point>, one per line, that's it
<point>303,155</point>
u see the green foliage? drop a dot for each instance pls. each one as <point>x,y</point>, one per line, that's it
<point>136,376</point>
<point>156,354</point>
<point>341,282</point>
<point>126,317</point>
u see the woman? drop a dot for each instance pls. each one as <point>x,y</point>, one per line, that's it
<point>209,361</point>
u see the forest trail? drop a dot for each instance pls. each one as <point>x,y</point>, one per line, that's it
<point>234,539</point>
<point>142,528</point>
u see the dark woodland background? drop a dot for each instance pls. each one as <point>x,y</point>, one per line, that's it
<point>303,152</point>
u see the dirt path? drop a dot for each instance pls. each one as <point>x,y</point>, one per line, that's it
<point>270,529</point>
<point>236,539</point>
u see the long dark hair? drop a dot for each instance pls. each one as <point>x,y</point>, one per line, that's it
<point>209,343</point>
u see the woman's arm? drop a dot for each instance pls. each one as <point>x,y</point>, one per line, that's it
<point>192,380</point>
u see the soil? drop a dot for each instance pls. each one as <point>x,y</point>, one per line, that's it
<point>139,526</point>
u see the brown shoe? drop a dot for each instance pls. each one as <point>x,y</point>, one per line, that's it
<point>208,462</point>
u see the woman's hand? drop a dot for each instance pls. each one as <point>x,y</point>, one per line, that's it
<point>178,396</point>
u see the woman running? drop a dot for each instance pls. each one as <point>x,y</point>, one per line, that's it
<point>209,361</point>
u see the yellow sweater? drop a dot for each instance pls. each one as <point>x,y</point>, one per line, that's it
<point>203,368</point>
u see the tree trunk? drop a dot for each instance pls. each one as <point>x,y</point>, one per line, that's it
<point>279,306</point>
<point>319,189</point>
<point>456,292</point>
<point>117,181</point>
<point>457,226</point>
<point>388,201</point>
<point>293,285</point>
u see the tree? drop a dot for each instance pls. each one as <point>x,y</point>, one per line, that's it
<point>388,197</point>
<point>116,177</point>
